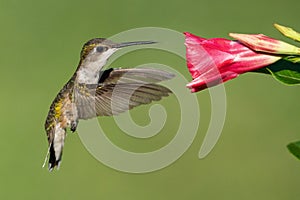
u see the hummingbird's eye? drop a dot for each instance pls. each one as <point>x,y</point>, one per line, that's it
<point>101,49</point>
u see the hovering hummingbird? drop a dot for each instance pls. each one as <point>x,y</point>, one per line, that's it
<point>93,92</point>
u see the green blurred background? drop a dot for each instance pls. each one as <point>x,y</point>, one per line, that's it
<point>40,45</point>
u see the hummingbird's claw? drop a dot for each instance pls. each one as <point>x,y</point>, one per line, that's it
<point>73,126</point>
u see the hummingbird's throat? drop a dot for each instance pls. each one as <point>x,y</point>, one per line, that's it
<point>89,71</point>
<point>87,76</point>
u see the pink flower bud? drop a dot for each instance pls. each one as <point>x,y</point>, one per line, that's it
<point>288,32</point>
<point>262,43</point>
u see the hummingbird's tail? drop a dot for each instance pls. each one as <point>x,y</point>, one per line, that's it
<point>56,148</point>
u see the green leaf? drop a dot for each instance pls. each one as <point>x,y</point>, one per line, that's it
<point>288,77</point>
<point>284,71</point>
<point>294,148</point>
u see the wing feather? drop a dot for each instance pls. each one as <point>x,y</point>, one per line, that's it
<point>121,90</point>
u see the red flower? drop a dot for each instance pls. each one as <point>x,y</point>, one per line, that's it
<point>213,61</point>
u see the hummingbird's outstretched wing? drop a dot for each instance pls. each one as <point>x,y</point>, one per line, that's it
<point>120,90</point>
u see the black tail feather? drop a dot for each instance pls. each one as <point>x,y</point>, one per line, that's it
<point>53,161</point>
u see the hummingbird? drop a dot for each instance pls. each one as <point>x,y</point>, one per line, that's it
<point>93,91</point>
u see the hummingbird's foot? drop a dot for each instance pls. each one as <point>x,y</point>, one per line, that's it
<point>74,126</point>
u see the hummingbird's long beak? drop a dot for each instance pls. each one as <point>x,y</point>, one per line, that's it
<point>126,44</point>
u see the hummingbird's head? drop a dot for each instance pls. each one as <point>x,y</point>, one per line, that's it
<point>100,49</point>
<point>94,56</point>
